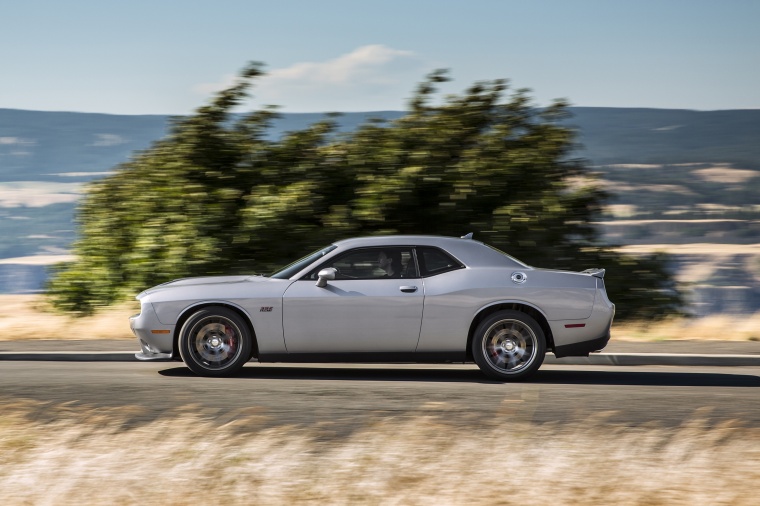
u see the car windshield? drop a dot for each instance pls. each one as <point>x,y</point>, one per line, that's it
<point>290,269</point>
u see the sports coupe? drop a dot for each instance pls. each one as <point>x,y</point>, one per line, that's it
<point>381,299</point>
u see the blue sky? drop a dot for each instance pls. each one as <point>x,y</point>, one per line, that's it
<point>161,57</point>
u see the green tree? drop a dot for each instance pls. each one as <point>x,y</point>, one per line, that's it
<point>216,197</point>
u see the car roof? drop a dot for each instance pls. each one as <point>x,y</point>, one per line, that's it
<point>468,251</point>
<point>401,240</point>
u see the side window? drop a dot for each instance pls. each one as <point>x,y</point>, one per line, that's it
<point>435,261</point>
<point>372,263</point>
<point>408,264</point>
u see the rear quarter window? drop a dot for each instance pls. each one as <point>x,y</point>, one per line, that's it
<point>436,261</point>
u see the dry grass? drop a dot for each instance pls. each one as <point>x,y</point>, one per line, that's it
<point>32,317</point>
<point>712,328</point>
<point>96,457</point>
<point>700,249</point>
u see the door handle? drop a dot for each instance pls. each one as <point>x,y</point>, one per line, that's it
<point>408,289</point>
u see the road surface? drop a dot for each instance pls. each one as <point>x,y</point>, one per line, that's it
<point>343,397</point>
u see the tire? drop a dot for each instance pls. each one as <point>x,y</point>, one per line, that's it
<point>509,346</point>
<point>215,341</point>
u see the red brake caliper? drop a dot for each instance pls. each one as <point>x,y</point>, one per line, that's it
<point>230,333</point>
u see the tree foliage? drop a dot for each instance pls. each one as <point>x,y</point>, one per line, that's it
<point>216,196</point>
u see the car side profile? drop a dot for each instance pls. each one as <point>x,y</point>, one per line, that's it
<point>381,299</point>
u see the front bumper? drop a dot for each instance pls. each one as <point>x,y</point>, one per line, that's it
<point>156,339</point>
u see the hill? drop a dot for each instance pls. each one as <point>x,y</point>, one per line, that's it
<point>56,146</point>
<point>675,177</point>
<point>668,136</point>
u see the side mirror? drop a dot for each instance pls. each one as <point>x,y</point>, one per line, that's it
<point>325,275</point>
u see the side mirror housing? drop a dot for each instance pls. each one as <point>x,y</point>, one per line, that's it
<point>325,275</point>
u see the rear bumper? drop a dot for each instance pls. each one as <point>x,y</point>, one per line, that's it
<point>583,348</point>
<point>578,338</point>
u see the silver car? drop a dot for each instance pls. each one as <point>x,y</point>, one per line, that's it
<point>381,299</point>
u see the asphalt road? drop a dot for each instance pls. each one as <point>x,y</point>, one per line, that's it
<point>342,397</point>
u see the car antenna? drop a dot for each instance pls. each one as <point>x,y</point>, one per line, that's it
<point>468,236</point>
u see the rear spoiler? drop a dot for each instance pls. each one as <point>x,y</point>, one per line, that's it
<point>597,273</point>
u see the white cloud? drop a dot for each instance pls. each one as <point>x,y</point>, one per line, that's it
<point>366,64</point>
<point>208,88</point>
<point>370,77</point>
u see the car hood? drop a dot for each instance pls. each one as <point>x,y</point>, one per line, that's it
<point>207,280</point>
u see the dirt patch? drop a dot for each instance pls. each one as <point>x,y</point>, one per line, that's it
<point>38,194</point>
<point>725,175</point>
<point>38,259</point>
<point>615,186</point>
<point>634,166</point>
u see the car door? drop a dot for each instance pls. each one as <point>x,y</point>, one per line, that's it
<point>366,308</point>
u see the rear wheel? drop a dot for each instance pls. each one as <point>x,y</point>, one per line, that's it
<point>509,345</point>
<point>215,341</point>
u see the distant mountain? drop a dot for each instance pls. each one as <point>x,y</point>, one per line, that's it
<point>41,146</point>
<point>675,177</point>
<point>668,136</point>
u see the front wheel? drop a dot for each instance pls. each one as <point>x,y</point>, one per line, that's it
<point>215,341</point>
<point>509,345</point>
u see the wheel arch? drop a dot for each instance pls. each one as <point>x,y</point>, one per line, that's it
<point>524,307</point>
<point>190,310</point>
